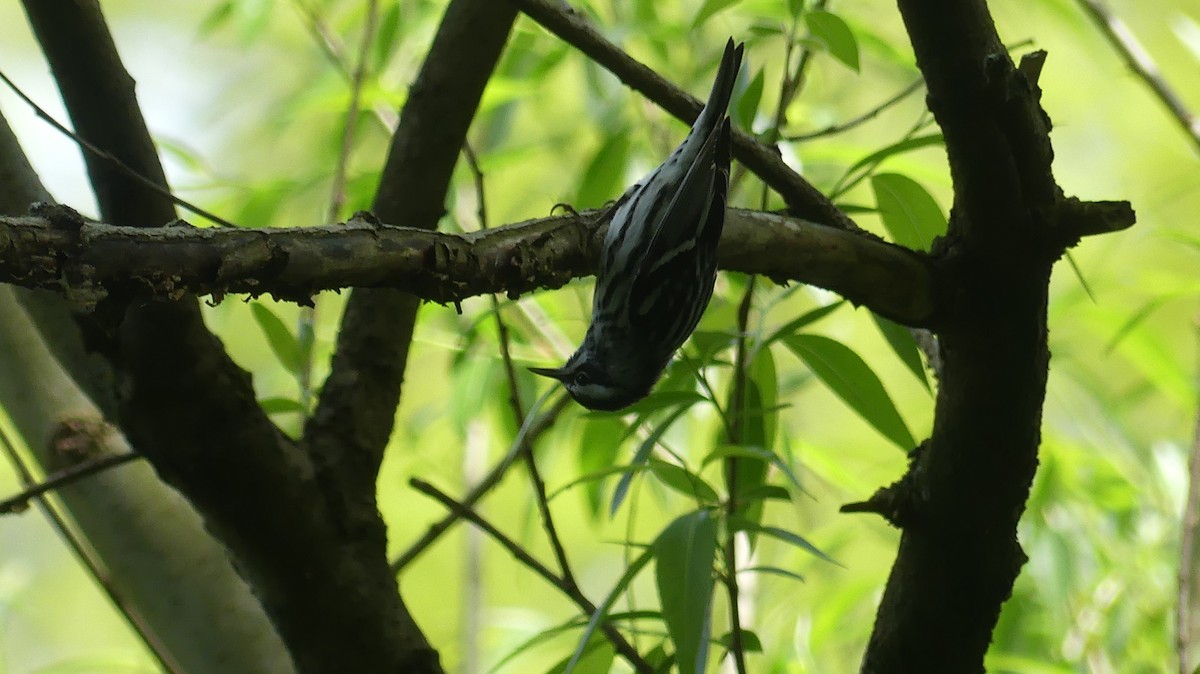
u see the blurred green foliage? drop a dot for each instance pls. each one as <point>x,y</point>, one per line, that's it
<point>249,108</point>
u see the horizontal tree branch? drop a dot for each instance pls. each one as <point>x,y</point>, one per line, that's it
<point>569,25</point>
<point>55,249</point>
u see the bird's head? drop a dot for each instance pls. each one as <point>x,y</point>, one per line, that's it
<point>592,386</point>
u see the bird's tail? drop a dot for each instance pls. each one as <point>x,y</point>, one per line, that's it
<point>722,90</point>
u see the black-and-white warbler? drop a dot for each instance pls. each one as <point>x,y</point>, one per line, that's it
<point>659,262</point>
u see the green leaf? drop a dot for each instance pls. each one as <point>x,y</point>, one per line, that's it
<point>596,658</point>
<point>852,380</point>
<point>598,451</point>
<point>282,406</point>
<point>605,174</point>
<point>707,344</point>
<point>750,641</point>
<point>709,9</point>
<point>835,36</point>
<point>385,40</point>
<point>765,492</point>
<point>217,18</point>
<point>595,476</point>
<point>641,455</point>
<point>282,342</point>
<point>726,451</point>
<point>905,347</point>
<point>875,158</point>
<point>910,214</point>
<point>683,555</point>
<point>683,481</point>
<point>1134,320</point>
<point>572,623</point>
<point>757,422</point>
<point>774,571</point>
<point>660,400</point>
<point>747,105</point>
<point>795,7</point>
<point>1087,287</point>
<point>760,416</point>
<point>742,524</point>
<point>602,609</point>
<point>804,320</point>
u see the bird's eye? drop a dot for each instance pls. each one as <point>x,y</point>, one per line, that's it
<point>582,379</point>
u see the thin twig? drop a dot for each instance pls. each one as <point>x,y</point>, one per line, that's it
<point>112,159</point>
<point>570,25</point>
<point>79,471</point>
<point>1187,608</point>
<point>94,569</point>
<point>514,394</point>
<point>865,117</point>
<point>1140,62</point>
<point>737,406</point>
<point>464,511</point>
<point>333,49</point>
<point>325,38</point>
<point>485,485</point>
<point>849,180</point>
<point>306,323</point>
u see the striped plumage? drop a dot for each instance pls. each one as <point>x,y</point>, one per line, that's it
<point>659,262</point>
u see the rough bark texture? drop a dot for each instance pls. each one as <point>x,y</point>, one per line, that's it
<point>193,413</point>
<point>301,518</point>
<point>966,487</point>
<point>90,261</point>
<point>349,429</point>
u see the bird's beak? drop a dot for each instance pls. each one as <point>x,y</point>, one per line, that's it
<point>553,372</point>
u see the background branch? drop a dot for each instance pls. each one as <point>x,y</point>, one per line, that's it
<point>193,412</point>
<point>1139,61</point>
<point>803,200</point>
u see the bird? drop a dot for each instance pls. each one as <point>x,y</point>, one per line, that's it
<point>658,262</point>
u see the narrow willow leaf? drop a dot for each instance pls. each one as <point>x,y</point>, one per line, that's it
<point>742,524</point>
<point>598,451</point>
<point>1134,320</point>
<point>835,36</point>
<point>863,167</point>
<point>905,347</point>
<point>804,320</point>
<point>596,658</point>
<point>1087,287</point>
<point>774,571</point>
<point>852,380</point>
<point>725,451</point>
<point>684,554</point>
<point>747,106</point>
<point>595,476</point>
<point>282,342</point>
<point>572,623</point>
<point>282,405</point>
<point>659,400</point>
<point>385,41</point>
<point>750,641</point>
<point>641,455</point>
<point>602,610</point>
<point>709,9</point>
<point>766,492</point>
<point>762,411</point>
<point>906,145</point>
<point>605,174</point>
<point>683,481</point>
<point>910,214</point>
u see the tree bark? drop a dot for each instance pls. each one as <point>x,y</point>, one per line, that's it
<point>966,487</point>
